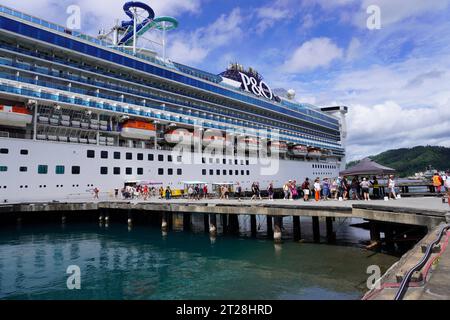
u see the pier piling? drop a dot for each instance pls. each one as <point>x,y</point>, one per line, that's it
<point>233,224</point>
<point>331,235</point>
<point>164,224</point>
<point>206,222</point>
<point>187,217</point>
<point>297,228</point>
<point>253,227</point>
<point>277,235</point>
<point>224,218</point>
<point>213,224</point>
<point>269,226</point>
<point>316,229</point>
<point>374,232</point>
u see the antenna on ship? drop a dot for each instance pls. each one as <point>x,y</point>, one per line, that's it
<point>127,33</point>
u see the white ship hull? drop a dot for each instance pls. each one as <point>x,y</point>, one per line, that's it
<point>17,186</point>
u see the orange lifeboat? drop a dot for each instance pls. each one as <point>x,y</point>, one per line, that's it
<point>278,147</point>
<point>135,129</point>
<point>299,151</point>
<point>15,116</point>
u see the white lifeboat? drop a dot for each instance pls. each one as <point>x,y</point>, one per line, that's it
<point>134,129</point>
<point>299,151</point>
<point>215,139</point>
<point>179,136</point>
<point>314,153</point>
<point>251,144</point>
<point>15,116</point>
<point>278,147</point>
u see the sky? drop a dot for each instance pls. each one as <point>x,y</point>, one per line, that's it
<point>395,79</point>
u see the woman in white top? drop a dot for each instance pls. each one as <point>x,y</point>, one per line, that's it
<point>317,189</point>
<point>391,186</point>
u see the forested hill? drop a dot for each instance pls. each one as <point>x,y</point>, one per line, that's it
<point>417,159</point>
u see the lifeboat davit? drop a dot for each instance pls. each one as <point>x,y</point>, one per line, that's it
<point>179,136</point>
<point>278,147</point>
<point>135,129</point>
<point>299,151</point>
<point>314,153</point>
<point>15,116</point>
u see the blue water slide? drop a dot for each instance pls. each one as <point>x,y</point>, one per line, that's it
<point>128,37</point>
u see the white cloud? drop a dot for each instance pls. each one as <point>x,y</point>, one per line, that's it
<point>194,47</point>
<point>318,52</point>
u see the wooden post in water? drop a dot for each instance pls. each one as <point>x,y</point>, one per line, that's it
<point>187,221</point>
<point>206,222</point>
<point>269,226</point>
<point>253,225</point>
<point>374,232</point>
<point>224,223</point>
<point>278,221</point>
<point>297,228</point>
<point>213,224</point>
<point>316,229</point>
<point>331,235</point>
<point>164,223</point>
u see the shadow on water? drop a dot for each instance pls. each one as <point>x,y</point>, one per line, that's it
<point>143,263</point>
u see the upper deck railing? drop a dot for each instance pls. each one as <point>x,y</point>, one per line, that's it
<point>301,108</point>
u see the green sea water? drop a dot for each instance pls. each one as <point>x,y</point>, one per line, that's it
<point>142,263</point>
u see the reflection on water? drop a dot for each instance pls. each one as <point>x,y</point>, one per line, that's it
<point>145,264</point>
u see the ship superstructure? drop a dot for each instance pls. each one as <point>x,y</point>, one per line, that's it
<point>78,112</point>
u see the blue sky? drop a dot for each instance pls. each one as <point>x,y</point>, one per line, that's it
<point>395,80</point>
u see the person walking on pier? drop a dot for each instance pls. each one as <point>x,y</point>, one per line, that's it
<point>376,187</point>
<point>365,186</point>
<point>317,189</point>
<point>270,191</point>
<point>326,189</point>
<point>334,189</point>
<point>286,191</point>
<point>355,188</point>
<point>205,191</point>
<point>437,182</point>
<point>344,188</point>
<point>391,187</point>
<point>239,192</point>
<point>96,192</point>
<point>305,189</point>
<point>294,191</point>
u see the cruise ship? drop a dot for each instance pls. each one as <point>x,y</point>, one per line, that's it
<point>79,112</point>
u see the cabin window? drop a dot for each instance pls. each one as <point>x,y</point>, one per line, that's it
<point>180,158</point>
<point>248,172</point>
<point>91,154</point>
<point>59,169</point>
<point>211,172</point>
<point>224,172</point>
<point>170,172</point>
<point>230,172</point>
<point>128,171</point>
<point>224,161</point>
<point>116,171</point>
<point>23,169</point>
<point>242,172</point>
<point>4,151</point>
<point>76,170</point>
<point>151,157</point>
<point>129,156</point>
<point>24,152</point>
<point>140,171</point>
<point>140,156</point>
<point>203,160</point>
<point>179,172</point>
<point>160,158</point>
<point>117,155</point>
<point>169,158</point>
<point>42,169</point>
<point>218,172</point>
<point>247,162</point>
<point>3,168</point>
<point>204,172</point>
<point>104,170</point>
<point>104,155</point>
<point>236,172</point>
<point>160,171</point>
